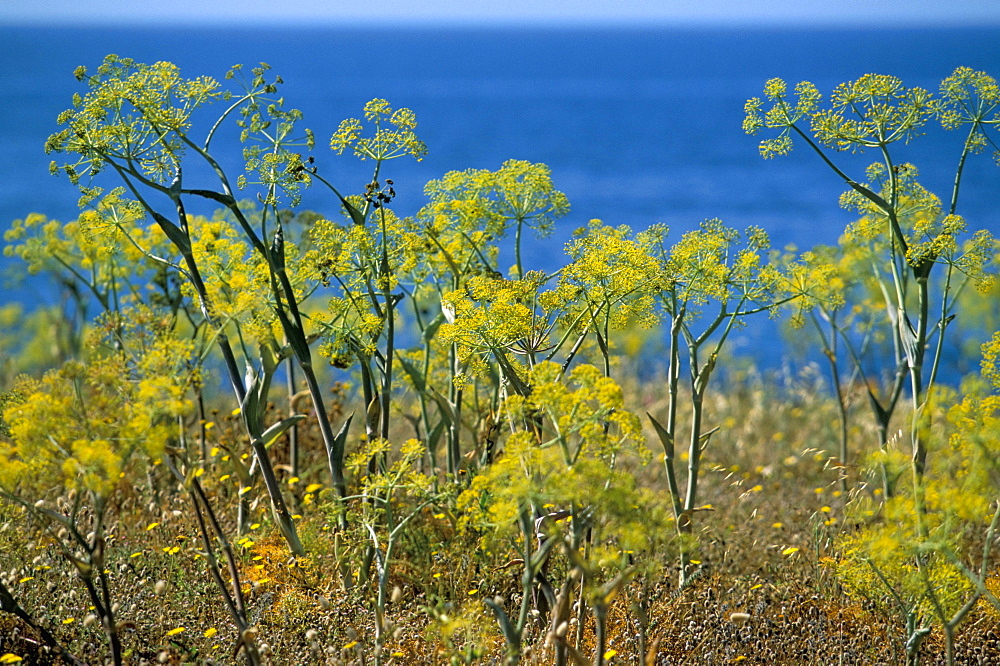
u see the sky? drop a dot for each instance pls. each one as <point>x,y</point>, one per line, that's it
<point>900,13</point>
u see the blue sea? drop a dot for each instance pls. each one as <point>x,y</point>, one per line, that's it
<point>639,126</point>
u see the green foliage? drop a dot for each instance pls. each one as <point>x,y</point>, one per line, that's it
<point>543,501</point>
<point>566,439</point>
<point>562,480</point>
<point>923,554</point>
<point>916,553</point>
<point>80,426</point>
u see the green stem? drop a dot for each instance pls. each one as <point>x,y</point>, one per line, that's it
<point>517,248</point>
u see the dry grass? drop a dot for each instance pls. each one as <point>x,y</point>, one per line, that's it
<point>772,483</point>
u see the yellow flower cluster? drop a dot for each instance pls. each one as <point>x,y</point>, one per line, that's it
<point>78,427</point>
<point>566,439</point>
<point>782,115</point>
<point>469,210</point>
<point>493,315</point>
<point>133,111</point>
<point>612,280</point>
<point>394,134</point>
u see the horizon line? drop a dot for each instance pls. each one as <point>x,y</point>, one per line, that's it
<point>262,22</point>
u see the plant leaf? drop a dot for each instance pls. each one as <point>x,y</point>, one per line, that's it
<point>277,429</point>
<point>665,437</point>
